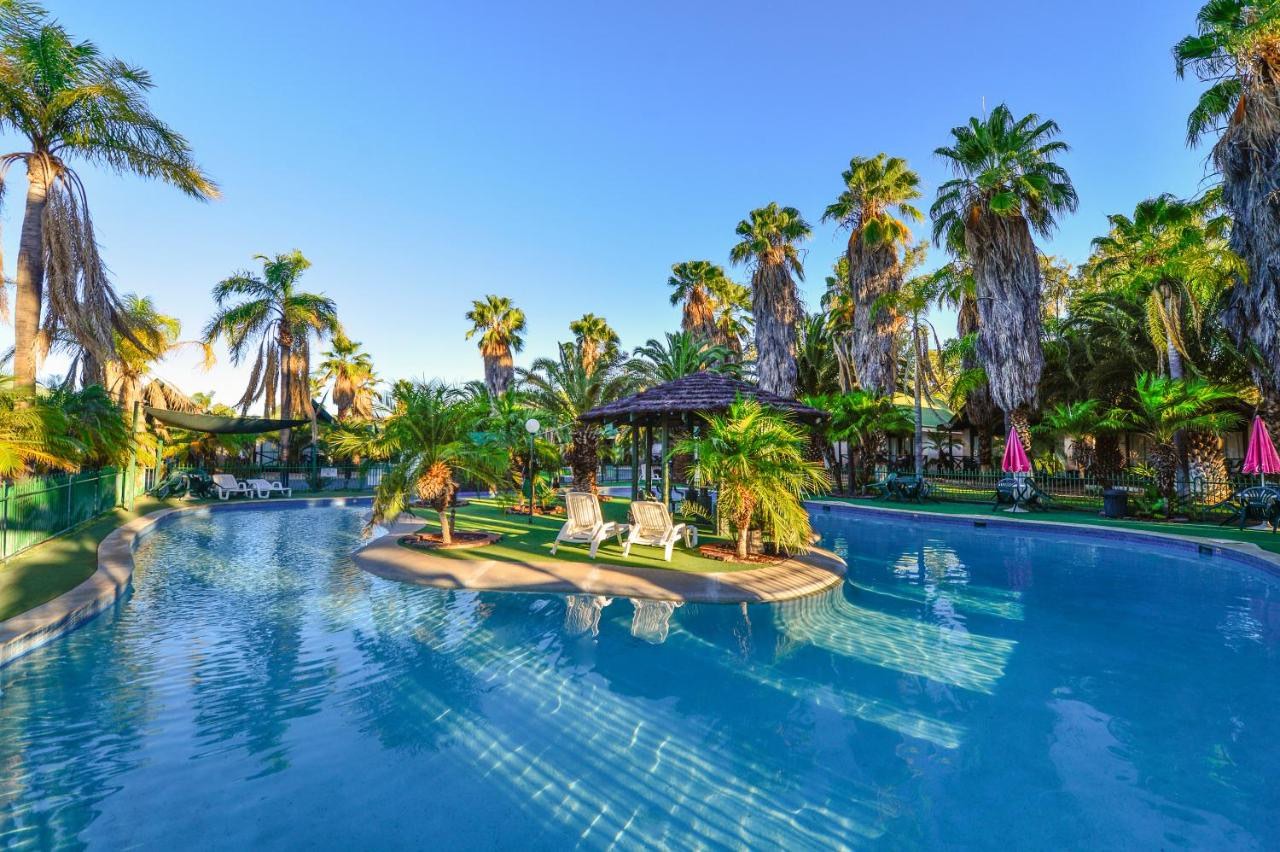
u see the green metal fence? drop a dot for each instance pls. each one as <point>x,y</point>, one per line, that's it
<point>35,510</point>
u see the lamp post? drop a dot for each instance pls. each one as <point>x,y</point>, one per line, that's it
<point>531,426</point>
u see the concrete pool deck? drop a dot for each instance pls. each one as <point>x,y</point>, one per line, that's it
<point>797,577</point>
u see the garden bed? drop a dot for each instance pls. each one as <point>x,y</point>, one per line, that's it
<point>462,540</point>
<point>723,552</point>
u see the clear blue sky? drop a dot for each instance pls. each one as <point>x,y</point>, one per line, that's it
<point>566,155</point>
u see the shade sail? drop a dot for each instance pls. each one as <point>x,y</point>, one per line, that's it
<point>220,425</point>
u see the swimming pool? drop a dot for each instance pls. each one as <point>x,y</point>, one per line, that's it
<point>964,688</point>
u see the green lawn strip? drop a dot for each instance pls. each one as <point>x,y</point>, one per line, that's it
<point>60,564</point>
<point>1264,539</point>
<point>525,542</point>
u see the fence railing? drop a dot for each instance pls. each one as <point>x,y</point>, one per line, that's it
<point>305,477</point>
<point>35,510</point>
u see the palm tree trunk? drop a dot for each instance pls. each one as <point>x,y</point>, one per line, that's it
<point>499,371</point>
<point>919,413</point>
<point>30,279</point>
<point>285,343</point>
<point>874,273</point>
<point>584,457</point>
<point>446,528</point>
<point>775,307</point>
<point>1020,419</point>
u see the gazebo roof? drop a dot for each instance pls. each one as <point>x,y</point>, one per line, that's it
<point>699,393</point>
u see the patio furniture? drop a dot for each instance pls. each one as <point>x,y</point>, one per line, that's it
<point>586,525</point>
<point>911,488</point>
<point>651,524</point>
<point>1020,495</point>
<point>1259,504</point>
<point>265,488</point>
<point>884,487</point>
<point>225,485</point>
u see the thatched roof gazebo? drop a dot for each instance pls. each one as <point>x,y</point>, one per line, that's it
<point>682,403</point>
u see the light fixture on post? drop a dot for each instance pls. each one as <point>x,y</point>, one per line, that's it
<point>531,426</point>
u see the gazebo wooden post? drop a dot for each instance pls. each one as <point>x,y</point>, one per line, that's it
<point>635,460</point>
<point>666,463</point>
<point>648,457</point>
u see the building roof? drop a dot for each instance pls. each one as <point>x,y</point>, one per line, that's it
<point>936,416</point>
<point>699,393</point>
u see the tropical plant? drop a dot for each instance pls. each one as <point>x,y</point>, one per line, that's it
<point>817,365</point>
<point>154,335</point>
<point>873,206</point>
<point>863,420</point>
<point>595,339</point>
<point>564,388</point>
<point>431,434</point>
<point>1162,407</point>
<point>1236,50</point>
<point>270,313</point>
<point>680,354</point>
<point>970,390</point>
<point>1007,187</point>
<point>1173,256</point>
<point>770,239</point>
<point>756,458</point>
<point>501,327</point>
<point>837,304</point>
<point>33,436</point>
<point>732,312</point>
<point>912,301</point>
<point>68,101</point>
<point>95,425</point>
<point>354,382</point>
<point>1082,422</point>
<point>694,284</point>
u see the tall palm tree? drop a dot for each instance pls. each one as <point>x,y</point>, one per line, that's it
<point>1173,256</point>
<point>732,315</point>
<point>838,305</point>
<point>68,101</point>
<point>972,390</point>
<point>876,188</point>
<point>351,371</point>
<point>912,301</point>
<point>270,313</point>
<point>1007,188</point>
<point>694,284</point>
<point>817,367</point>
<point>1236,49</point>
<point>770,238</point>
<point>681,354</point>
<point>595,338</point>
<point>564,388</point>
<point>501,326</point>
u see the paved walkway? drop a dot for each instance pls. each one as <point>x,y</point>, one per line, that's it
<point>798,577</point>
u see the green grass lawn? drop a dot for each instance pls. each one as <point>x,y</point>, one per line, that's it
<point>1266,540</point>
<point>523,542</point>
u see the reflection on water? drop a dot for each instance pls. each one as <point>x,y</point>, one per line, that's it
<point>260,691</point>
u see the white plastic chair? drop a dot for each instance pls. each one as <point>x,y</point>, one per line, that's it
<point>227,485</point>
<point>264,488</point>
<point>651,524</point>
<point>585,524</point>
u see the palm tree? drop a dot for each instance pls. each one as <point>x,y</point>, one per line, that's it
<point>501,326</point>
<point>351,372</point>
<point>564,388</point>
<point>33,435</point>
<point>769,241</point>
<point>1082,422</point>
<point>273,315</point>
<point>756,457</point>
<point>68,101</point>
<point>971,390</point>
<point>694,284</point>
<point>154,335</point>
<point>595,339</point>
<point>731,309</point>
<point>875,189</point>
<point>1164,407</point>
<point>912,301</point>
<point>817,365</point>
<point>1236,49</point>
<point>680,354</point>
<point>432,434</point>
<point>1007,187</point>
<point>863,420</point>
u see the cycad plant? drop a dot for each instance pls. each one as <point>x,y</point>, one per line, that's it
<point>756,458</point>
<point>69,102</point>
<point>1163,407</point>
<point>1007,188</point>
<point>876,207</point>
<point>431,434</point>
<point>770,242</point>
<point>501,327</point>
<point>1236,50</point>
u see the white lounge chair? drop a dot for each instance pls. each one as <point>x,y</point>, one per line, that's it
<point>586,524</point>
<point>651,524</point>
<point>265,488</point>
<point>227,485</point>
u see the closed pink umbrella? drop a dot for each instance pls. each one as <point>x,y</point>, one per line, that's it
<point>1261,457</point>
<point>1015,458</point>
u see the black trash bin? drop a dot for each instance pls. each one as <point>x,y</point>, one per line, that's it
<point>1115,503</point>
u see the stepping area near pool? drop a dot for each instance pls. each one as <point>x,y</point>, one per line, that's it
<point>522,562</point>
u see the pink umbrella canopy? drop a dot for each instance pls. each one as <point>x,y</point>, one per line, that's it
<point>1261,456</point>
<point>1015,458</point>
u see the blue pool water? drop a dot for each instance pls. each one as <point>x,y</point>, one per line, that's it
<point>964,689</point>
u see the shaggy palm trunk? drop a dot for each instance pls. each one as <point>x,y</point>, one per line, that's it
<point>584,456</point>
<point>874,273</point>
<point>499,371</point>
<point>1108,458</point>
<point>1248,158</point>
<point>698,316</point>
<point>1006,271</point>
<point>978,407</point>
<point>776,308</point>
<point>30,278</point>
<point>284,345</point>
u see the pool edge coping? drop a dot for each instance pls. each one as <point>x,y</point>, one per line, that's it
<point>1240,552</point>
<point>26,631</point>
